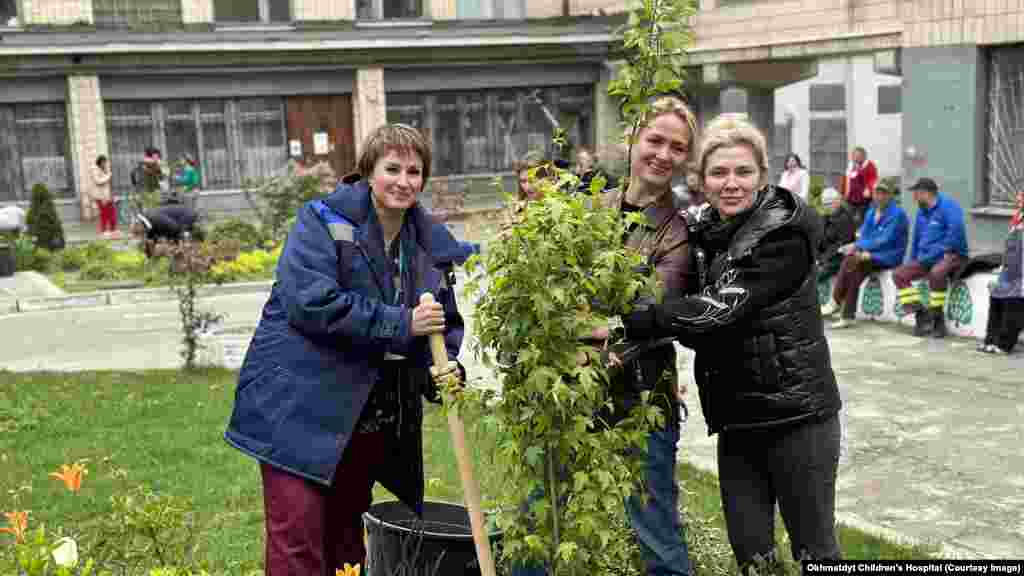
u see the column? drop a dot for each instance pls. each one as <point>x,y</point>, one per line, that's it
<point>87,134</point>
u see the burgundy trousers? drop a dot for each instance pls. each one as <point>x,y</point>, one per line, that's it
<point>313,530</point>
<point>852,272</point>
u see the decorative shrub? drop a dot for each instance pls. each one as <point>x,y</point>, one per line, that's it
<point>248,235</point>
<point>28,256</point>
<point>276,200</point>
<point>43,224</point>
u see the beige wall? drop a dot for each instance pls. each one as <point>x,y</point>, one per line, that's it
<point>323,10</point>
<point>543,8</point>
<point>368,104</point>
<point>59,12</point>
<point>196,11</point>
<point>937,23</point>
<point>87,132</point>
<point>442,9</point>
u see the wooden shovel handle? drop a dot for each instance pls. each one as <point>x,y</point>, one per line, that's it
<point>470,488</point>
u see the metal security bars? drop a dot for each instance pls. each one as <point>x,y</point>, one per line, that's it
<point>34,150</point>
<point>232,140</point>
<point>1006,125</point>
<point>485,131</point>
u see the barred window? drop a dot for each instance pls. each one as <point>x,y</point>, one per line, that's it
<point>130,13</point>
<point>231,140</point>
<point>486,131</point>
<point>8,13</point>
<point>1005,152</point>
<point>35,150</point>
<point>252,11</point>
<point>388,9</point>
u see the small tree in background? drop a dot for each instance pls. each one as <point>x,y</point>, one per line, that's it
<point>43,224</point>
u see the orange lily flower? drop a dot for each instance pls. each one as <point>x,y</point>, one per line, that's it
<point>19,525</point>
<point>348,570</point>
<point>71,476</point>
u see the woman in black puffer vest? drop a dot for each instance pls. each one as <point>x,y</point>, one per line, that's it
<point>762,365</point>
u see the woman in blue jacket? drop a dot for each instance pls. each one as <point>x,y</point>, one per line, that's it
<point>1006,303</point>
<point>328,396</point>
<point>881,244</point>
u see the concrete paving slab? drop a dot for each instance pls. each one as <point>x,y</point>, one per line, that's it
<point>932,440</point>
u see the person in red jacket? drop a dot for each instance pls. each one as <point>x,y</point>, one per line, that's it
<point>859,182</point>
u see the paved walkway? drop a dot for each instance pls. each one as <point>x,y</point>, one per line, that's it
<point>934,440</point>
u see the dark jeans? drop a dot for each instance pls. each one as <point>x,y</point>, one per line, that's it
<point>852,272</point>
<point>1005,322</point>
<point>313,530</point>
<point>656,524</point>
<point>794,466</point>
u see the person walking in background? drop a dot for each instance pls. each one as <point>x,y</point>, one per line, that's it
<point>840,228</point>
<point>794,177</point>
<point>1006,302</point>
<point>101,195</point>
<point>859,182</point>
<point>762,365</point>
<point>937,251</point>
<point>881,244</point>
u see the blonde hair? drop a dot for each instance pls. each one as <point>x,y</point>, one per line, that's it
<point>728,130</point>
<point>401,138</point>
<point>669,105</point>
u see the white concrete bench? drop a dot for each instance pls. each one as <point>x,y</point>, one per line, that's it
<point>966,308</point>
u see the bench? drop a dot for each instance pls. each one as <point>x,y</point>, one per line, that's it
<point>966,309</point>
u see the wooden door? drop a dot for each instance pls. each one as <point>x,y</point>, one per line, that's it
<point>330,115</point>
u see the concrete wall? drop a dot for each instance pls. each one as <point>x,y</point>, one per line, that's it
<point>881,135</point>
<point>944,94</point>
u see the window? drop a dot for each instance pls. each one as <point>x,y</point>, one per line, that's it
<point>129,13</point>
<point>8,12</point>
<point>486,131</point>
<point>252,11</point>
<point>388,9</point>
<point>828,150</point>
<point>35,150</point>
<point>1005,154</point>
<point>490,9</point>
<point>828,97</point>
<point>889,99</point>
<point>782,146</point>
<point>231,140</point>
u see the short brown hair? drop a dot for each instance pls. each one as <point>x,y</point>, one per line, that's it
<point>398,137</point>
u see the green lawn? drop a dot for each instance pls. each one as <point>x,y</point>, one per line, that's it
<point>164,429</point>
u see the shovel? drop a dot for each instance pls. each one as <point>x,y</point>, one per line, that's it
<point>469,485</point>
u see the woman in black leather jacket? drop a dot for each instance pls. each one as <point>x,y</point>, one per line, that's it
<point>762,366</point>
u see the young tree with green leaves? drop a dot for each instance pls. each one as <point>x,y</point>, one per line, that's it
<point>560,271</point>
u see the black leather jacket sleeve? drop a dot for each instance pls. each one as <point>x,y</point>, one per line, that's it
<point>773,271</point>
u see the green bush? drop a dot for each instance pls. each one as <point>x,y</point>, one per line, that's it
<point>28,256</point>
<point>43,224</point>
<point>78,256</point>
<point>277,200</point>
<point>814,190</point>
<point>248,235</point>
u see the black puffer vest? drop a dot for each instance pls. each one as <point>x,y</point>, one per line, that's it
<point>775,368</point>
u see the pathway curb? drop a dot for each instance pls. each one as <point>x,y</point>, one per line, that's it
<point>122,297</point>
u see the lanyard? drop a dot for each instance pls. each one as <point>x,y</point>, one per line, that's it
<point>401,271</point>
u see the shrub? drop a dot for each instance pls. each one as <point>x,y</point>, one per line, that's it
<point>276,200</point>
<point>248,235</point>
<point>76,257</point>
<point>43,224</point>
<point>28,256</point>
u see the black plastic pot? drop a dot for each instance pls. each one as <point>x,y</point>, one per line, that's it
<point>441,544</point>
<point>7,262</point>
